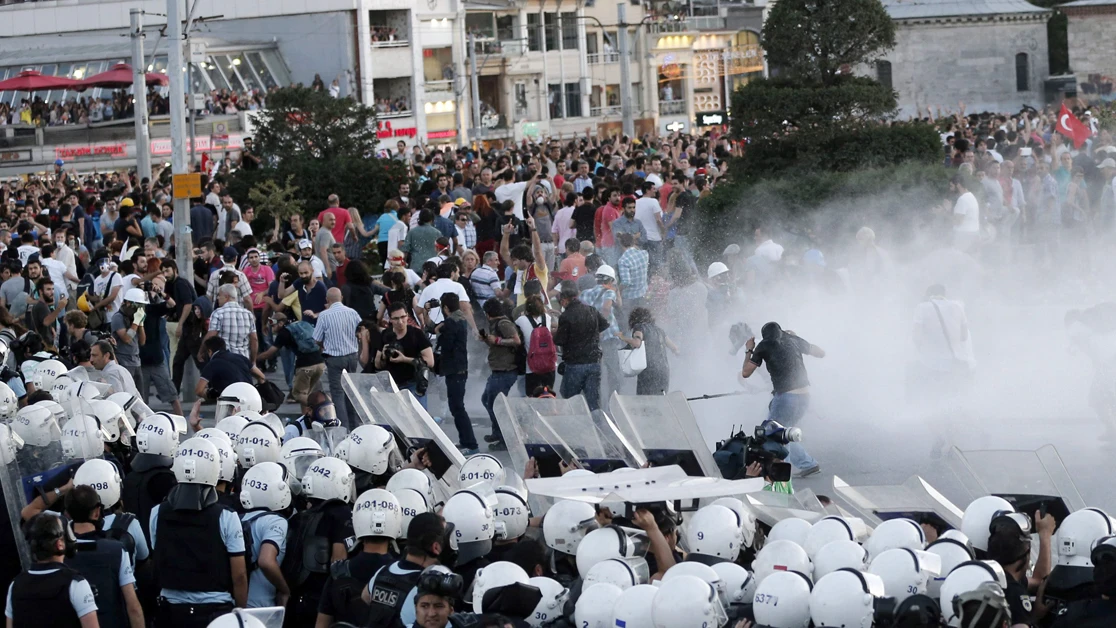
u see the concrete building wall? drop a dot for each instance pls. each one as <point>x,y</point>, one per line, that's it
<point>1092,50</point>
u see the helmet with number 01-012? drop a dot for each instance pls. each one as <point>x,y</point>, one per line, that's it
<point>103,477</point>
<point>895,533</point>
<point>836,555</point>
<point>82,438</point>
<point>495,575</point>
<point>687,602</point>
<point>474,524</point>
<point>197,462</point>
<point>157,435</point>
<point>906,572</point>
<point>377,513</point>
<point>783,600</point>
<point>593,609</point>
<point>779,556</point>
<point>714,532</point>
<point>370,449</point>
<point>265,486</point>
<point>845,598</point>
<point>257,443</point>
<point>550,607</point>
<point>329,478</point>
<point>481,468</point>
<point>513,515</point>
<point>633,607</point>
<point>566,523</point>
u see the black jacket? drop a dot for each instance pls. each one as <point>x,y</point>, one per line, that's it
<point>579,333</point>
<point>452,345</point>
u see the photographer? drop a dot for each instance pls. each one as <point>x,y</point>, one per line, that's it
<point>406,353</point>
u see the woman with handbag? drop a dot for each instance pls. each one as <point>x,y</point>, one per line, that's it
<point>654,379</point>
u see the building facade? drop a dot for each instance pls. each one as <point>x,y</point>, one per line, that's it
<point>1092,49</point>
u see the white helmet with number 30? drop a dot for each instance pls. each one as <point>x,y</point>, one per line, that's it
<point>905,572</point>
<point>104,477</point>
<point>329,478</point>
<point>265,486</point>
<point>549,608</point>
<point>377,513</point>
<point>197,462</point>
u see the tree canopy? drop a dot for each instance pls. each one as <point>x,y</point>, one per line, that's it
<point>818,40</point>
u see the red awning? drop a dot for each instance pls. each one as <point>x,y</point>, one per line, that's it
<point>120,76</point>
<point>33,81</point>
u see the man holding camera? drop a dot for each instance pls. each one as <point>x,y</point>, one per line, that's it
<point>406,353</point>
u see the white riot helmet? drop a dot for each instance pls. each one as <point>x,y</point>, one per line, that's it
<point>829,529</point>
<point>265,486</point>
<point>197,462</point>
<point>951,552</point>
<point>783,600</point>
<point>45,374</point>
<point>10,444</point>
<point>474,524</point>
<point>412,479</point>
<point>377,513</point>
<point>895,533</point>
<point>715,532</point>
<point>740,586</point>
<point>608,542</point>
<point>9,403</point>
<point>36,425</point>
<point>793,529</point>
<point>131,403</point>
<point>482,468</point>
<point>371,449</point>
<point>845,599</point>
<point>341,449</point>
<point>704,572</point>
<point>55,408</point>
<point>231,425</point>
<point>498,574</point>
<point>210,433</point>
<point>238,618</point>
<point>747,517</point>
<point>257,443</point>
<point>566,524</point>
<point>297,454</point>
<point>840,555</point>
<point>633,607</point>
<point>157,435</point>
<point>411,504</point>
<point>274,421</point>
<point>112,418</point>
<point>594,608</point>
<point>1078,534</point>
<point>964,578</point>
<point>687,602</point>
<point>61,389</point>
<point>577,473</point>
<point>238,397</point>
<point>716,268</point>
<point>550,607</point>
<point>225,451</point>
<point>329,478</point>
<point>104,477</point>
<point>780,555</point>
<point>978,517</point>
<point>82,438</point>
<point>623,572</point>
<point>513,515</point>
<point>906,572</point>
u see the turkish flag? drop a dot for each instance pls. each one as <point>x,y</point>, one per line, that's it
<point>1071,127</point>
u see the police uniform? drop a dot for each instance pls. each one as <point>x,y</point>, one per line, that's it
<point>106,567</point>
<point>49,594</point>
<point>1019,601</point>
<point>1094,613</point>
<point>341,597</point>
<point>313,534</point>
<point>266,528</point>
<point>139,551</point>
<point>392,592</point>
<point>149,483</point>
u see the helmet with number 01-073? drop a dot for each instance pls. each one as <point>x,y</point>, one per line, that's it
<point>10,444</point>
<point>329,478</point>
<point>103,477</point>
<point>257,443</point>
<point>157,435</point>
<point>977,518</point>
<point>779,556</point>
<point>845,598</point>
<point>371,448</point>
<point>377,513</point>
<point>197,462</point>
<point>264,486</point>
<point>566,523</point>
<point>895,533</point>
<point>481,468</point>
<point>36,425</point>
<point>633,607</point>
<point>44,375</point>
<point>840,554</point>
<point>687,602</point>
<point>738,582</point>
<point>783,600</point>
<point>608,542</point>
<point>415,480</point>
<point>82,437</point>
<point>513,515</point>
<point>236,398</point>
<point>495,575</point>
<point>714,533</point>
<point>411,504</point>
<point>906,572</point>
<point>550,607</point>
<point>474,524</point>
<point>593,608</point>
<point>9,403</point>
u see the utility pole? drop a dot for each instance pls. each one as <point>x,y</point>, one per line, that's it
<point>561,64</point>
<point>476,87</point>
<point>183,242</point>
<point>139,96</point>
<point>627,124</point>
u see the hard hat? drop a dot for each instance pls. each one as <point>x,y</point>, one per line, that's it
<point>411,504</point>
<point>951,552</point>
<point>992,606</point>
<point>604,270</point>
<point>780,556</point>
<point>495,575</point>
<point>157,435</point>
<point>257,443</point>
<point>895,533</point>
<point>474,524</point>
<point>593,608</point>
<point>828,529</point>
<point>9,403</point>
<point>1077,535</point>
<point>482,468</point>
<point>377,513</point>
<point>136,295</point>
<point>740,586</point>
<point>36,425</point>
<point>964,578</point>
<point>112,418</point>
<point>840,555</point>
<point>297,454</point>
<point>687,602</point>
<point>10,444</point>
<point>83,303</point>
<point>747,517</point>
<point>104,477</point>
<point>793,529</point>
<point>566,524</point>
<point>845,599</point>
<point>238,397</point>
<point>975,522</point>
<point>238,618</point>
<point>906,572</point>
<point>251,415</point>
<point>608,542</point>
<point>715,531</point>
<point>225,452</point>
<point>370,449</point>
<point>623,572</point>
<point>550,607</point>
<point>716,268</point>
<point>699,570</point>
<point>196,462</point>
<point>633,607</point>
<point>513,515</point>
<point>232,425</point>
<point>265,486</point>
<point>329,478</point>
<point>783,600</point>
<point>82,438</point>
<point>44,375</point>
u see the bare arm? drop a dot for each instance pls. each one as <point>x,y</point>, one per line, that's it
<point>240,580</point>
<point>505,251</point>
<point>253,347</point>
<point>108,299</point>
<point>269,565</point>
<point>131,602</point>
<point>199,390</point>
<point>89,620</point>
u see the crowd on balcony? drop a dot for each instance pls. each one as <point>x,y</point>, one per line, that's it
<point>392,105</point>
<point>119,105</point>
<point>384,34</point>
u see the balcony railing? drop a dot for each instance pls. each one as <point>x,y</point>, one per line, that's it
<point>598,58</point>
<point>390,115</point>
<point>439,85</point>
<point>671,107</point>
<point>391,43</point>
<point>604,112</point>
<point>689,24</point>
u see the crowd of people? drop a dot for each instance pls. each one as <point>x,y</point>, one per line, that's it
<point>119,105</point>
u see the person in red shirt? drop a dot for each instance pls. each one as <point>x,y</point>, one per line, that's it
<point>602,226</point>
<point>342,216</point>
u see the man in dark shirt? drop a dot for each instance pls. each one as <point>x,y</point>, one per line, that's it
<point>309,365</point>
<point>453,335</point>
<point>222,368</point>
<point>1009,544</point>
<point>202,220</point>
<point>403,346</point>
<point>579,336</point>
<point>782,351</point>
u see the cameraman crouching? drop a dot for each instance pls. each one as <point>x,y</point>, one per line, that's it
<point>406,353</point>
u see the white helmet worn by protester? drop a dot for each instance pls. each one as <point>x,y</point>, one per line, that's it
<point>716,268</point>
<point>157,435</point>
<point>783,600</point>
<point>747,517</point>
<point>845,599</point>
<point>740,586</point>
<point>832,528</point>
<point>633,607</point>
<point>978,516</point>
<point>10,444</point>
<point>474,524</point>
<point>550,607</point>
<point>792,529</point>
<point>952,549</point>
<point>895,533</point>
<point>566,524</point>
<point>715,532</point>
<point>495,575</point>
<point>370,449</point>
<point>9,403</point>
<point>103,477</point>
<point>1078,533</point>
<point>687,602</point>
<point>265,486</point>
<point>623,572</point>
<point>839,555</point>
<point>238,618</point>
<point>604,543</point>
<point>906,572</point>
<point>36,425</point>
<point>329,478</point>
<point>513,515</point>
<point>780,556</point>
<point>196,462</point>
<point>964,578</point>
<point>412,479</point>
<point>82,438</point>
<point>136,295</point>
<point>377,513</point>
<point>481,468</point>
<point>257,443</point>
<point>231,425</point>
<point>593,608</point>
<point>411,504</point>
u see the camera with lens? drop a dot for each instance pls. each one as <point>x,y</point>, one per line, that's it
<point>767,446</point>
<point>393,350</point>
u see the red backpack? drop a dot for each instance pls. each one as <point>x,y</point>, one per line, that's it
<point>542,356</point>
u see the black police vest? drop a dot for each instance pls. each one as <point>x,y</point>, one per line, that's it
<point>135,491</point>
<point>99,562</point>
<point>44,599</point>
<point>190,554</point>
<point>344,593</point>
<point>389,593</point>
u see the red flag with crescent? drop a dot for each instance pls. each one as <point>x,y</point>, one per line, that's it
<point>1071,127</point>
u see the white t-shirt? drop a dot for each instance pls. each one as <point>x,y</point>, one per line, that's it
<point>935,351</point>
<point>647,209</point>
<point>396,234</point>
<point>562,230</point>
<point>514,193</point>
<point>57,272</point>
<point>101,282</point>
<point>127,283</point>
<point>525,328</point>
<point>25,252</point>
<point>968,207</point>
<point>436,290</point>
<point>770,250</point>
<point>243,228</point>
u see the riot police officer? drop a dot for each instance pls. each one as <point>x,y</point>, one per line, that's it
<point>266,497</point>
<point>49,593</point>
<point>391,591</point>
<point>1101,611</point>
<point>151,479</point>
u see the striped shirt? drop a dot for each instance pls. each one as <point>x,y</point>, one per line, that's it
<point>234,324</point>
<point>337,330</point>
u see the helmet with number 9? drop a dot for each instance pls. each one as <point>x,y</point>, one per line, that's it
<point>329,478</point>
<point>715,532</point>
<point>377,513</point>
<point>265,486</point>
<point>157,435</point>
<point>104,477</point>
<point>197,462</point>
<point>257,443</point>
<point>482,468</point>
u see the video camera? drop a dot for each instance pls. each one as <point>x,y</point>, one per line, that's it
<point>767,446</point>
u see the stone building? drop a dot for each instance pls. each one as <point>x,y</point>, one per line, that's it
<point>1092,49</point>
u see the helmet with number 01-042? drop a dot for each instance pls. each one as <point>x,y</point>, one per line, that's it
<point>623,572</point>
<point>550,607</point>
<point>714,532</point>
<point>610,541</point>
<point>747,517</point>
<point>238,618</point>
<point>964,578</point>
<point>845,598</point>
<point>977,518</point>
<point>566,523</point>
<point>633,607</point>
<point>10,444</point>
<point>474,524</point>
<point>792,529</point>
<point>415,480</point>
<point>112,417</point>
<point>895,533</point>
<point>840,554</point>
<point>9,403</point>
<point>783,600</point>
<point>497,574</point>
<point>412,503</point>
<point>513,515</point>
<point>236,398</point>
<point>687,602</point>
<point>231,425</point>
<point>778,556</point>
<point>952,549</point>
<point>104,477</point>
<point>82,438</point>
<point>36,425</point>
<point>257,443</point>
<point>832,528</point>
<point>44,375</point>
<point>329,478</point>
<point>482,468</point>
<point>739,584</point>
<point>197,462</point>
<point>1078,533</point>
<point>906,572</point>
<point>377,513</point>
<point>157,435</point>
<point>593,609</point>
<point>264,486</point>
<point>370,449</point>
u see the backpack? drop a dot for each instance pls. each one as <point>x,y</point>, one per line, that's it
<point>118,531</point>
<point>303,334</point>
<point>542,356</point>
<point>307,553</point>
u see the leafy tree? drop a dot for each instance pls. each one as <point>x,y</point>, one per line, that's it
<point>278,201</point>
<point>770,107</point>
<point>817,40</point>
<point>299,121</point>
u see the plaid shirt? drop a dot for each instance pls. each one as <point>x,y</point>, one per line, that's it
<point>597,296</point>
<point>234,325</point>
<point>632,271</point>
<point>469,232</point>
<point>243,290</point>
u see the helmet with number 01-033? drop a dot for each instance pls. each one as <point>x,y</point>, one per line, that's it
<point>977,518</point>
<point>104,477</point>
<point>792,529</point>
<point>82,437</point>
<point>415,480</point>
<point>952,549</point>
<point>474,523</point>
<point>550,607</point>
<point>714,532</point>
<point>329,478</point>
<point>845,598</point>
<point>740,586</point>
<point>10,444</point>
<point>377,513</point>
<point>371,449</point>
<point>513,515</point>
<point>623,572</point>
<point>236,398</point>
<point>633,607</point>
<point>257,443</point>
<point>566,523</point>
<point>46,372</point>
<point>780,555</point>
<point>593,609</point>
<point>687,602</point>
<point>747,517</point>
<point>1078,533</point>
<point>895,533</point>
<point>783,600</point>
<point>112,417</point>
<point>411,504</point>
<point>609,542</point>
<point>964,578</point>
<point>265,486</point>
<point>231,425</point>
<point>197,462</point>
<point>9,403</point>
<point>157,435</point>
<point>481,468</point>
<point>238,618</point>
<point>832,528</point>
<point>906,572</point>
<point>699,570</point>
<point>36,425</point>
<point>495,575</point>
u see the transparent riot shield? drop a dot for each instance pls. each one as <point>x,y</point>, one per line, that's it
<point>914,499</point>
<point>772,507</point>
<point>665,429</point>
<point>381,381</point>
<point>1030,480</point>
<point>328,438</point>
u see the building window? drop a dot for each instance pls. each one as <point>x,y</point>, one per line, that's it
<point>533,41</point>
<point>1022,72</point>
<point>573,99</point>
<point>883,73</point>
<point>590,43</point>
<point>569,30</point>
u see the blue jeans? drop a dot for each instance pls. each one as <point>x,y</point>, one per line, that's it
<point>788,409</point>
<point>421,400</point>
<point>584,379</point>
<point>288,358</point>
<point>498,382</point>
<point>455,393</point>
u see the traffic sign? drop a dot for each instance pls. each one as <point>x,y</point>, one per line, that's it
<point>187,185</point>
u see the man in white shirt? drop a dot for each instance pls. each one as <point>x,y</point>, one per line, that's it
<point>306,254</point>
<point>108,289</point>
<point>447,282</point>
<point>65,254</point>
<point>398,232</point>
<point>766,247</point>
<point>562,227</point>
<point>966,215</point>
<point>509,190</point>
<point>61,277</point>
<point>27,247</point>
